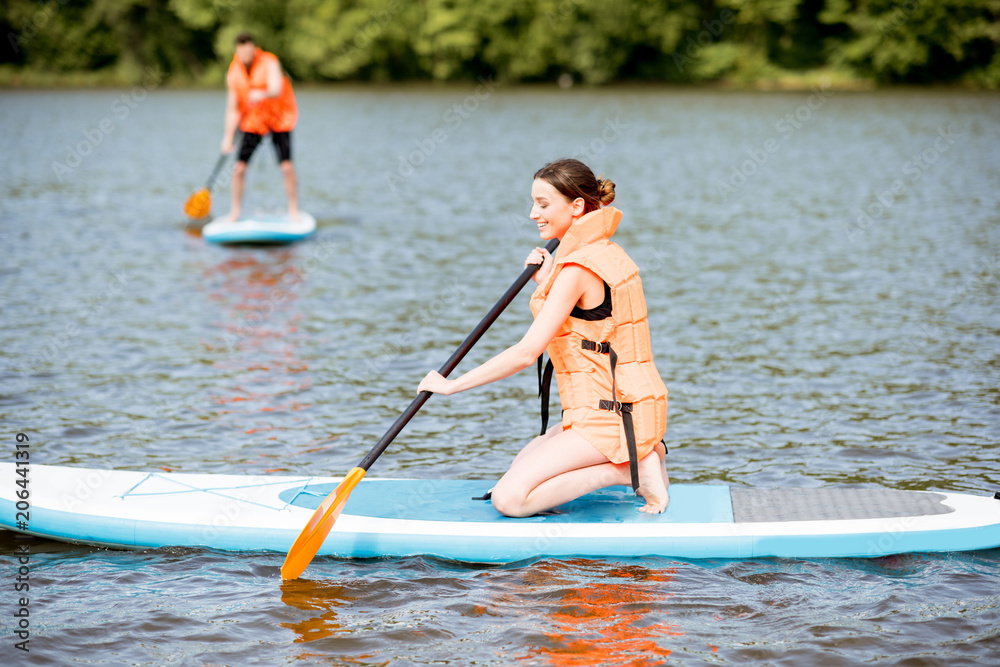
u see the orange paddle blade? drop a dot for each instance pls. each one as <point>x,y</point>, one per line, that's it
<point>199,204</point>
<point>312,536</point>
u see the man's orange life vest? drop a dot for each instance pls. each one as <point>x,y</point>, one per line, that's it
<point>272,114</point>
<point>582,351</point>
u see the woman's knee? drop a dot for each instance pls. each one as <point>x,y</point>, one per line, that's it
<point>508,503</point>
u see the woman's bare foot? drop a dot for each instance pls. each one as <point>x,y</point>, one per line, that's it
<point>652,486</point>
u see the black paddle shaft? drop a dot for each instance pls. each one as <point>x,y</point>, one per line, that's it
<point>221,161</point>
<point>455,358</point>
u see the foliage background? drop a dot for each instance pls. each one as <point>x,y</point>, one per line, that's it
<point>762,43</point>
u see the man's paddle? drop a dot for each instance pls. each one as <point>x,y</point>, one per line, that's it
<point>312,536</point>
<point>199,204</point>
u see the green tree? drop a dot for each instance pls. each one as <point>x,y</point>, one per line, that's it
<point>919,41</point>
<point>692,41</point>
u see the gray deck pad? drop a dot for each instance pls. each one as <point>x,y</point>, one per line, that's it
<point>751,505</point>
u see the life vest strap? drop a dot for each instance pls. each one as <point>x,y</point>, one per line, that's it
<point>603,348</point>
<point>624,410</point>
<point>545,389</point>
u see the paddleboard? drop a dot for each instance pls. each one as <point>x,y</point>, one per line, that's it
<point>407,517</point>
<point>262,229</point>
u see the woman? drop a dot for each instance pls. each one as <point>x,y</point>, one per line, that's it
<point>590,314</point>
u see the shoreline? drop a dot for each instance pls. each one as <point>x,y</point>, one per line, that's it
<point>11,80</point>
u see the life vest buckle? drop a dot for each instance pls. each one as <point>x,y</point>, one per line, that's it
<point>602,348</point>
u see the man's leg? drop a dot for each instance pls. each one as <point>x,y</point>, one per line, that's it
<point>283,147</point>
<point>290,189</point>
<point>236,190</point>
<point>247,147</point>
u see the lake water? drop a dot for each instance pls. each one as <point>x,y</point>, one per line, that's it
<point>821,271</point>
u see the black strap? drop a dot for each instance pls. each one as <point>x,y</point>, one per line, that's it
<point>603,348</point>
<point>633,455</point>
<point>544,389</point>
<point>624,410</point>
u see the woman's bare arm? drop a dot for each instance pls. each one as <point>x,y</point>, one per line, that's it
<point>571,284</point>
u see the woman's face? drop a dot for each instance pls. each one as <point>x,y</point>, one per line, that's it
<point>553,212</point>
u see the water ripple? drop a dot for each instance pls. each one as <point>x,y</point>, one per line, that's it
<point>814,328</point>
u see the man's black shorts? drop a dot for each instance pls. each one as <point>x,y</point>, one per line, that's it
<point>282,145</point>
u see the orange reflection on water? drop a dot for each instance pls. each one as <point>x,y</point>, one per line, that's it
<point>325,599</point>
<point>257,293</point>
<point>312,597</point>
<point>606,623</point>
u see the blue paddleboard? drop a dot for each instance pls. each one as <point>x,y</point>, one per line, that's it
<point>264,229</point>
<point>405,517</point>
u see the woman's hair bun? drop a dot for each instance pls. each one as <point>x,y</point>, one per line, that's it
<point>573,179</point>
<point>605,191</point>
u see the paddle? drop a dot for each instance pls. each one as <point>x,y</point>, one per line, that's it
<point>312,536</point>
<point>199,204</point>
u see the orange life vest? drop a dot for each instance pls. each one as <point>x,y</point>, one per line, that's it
<point>272,114</point>
<point>580,350</point>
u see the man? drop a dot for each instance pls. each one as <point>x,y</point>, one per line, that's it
<point>260,101</point>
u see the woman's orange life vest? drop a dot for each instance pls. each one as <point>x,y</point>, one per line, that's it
<point>583,371</point>
<point>272,114</point>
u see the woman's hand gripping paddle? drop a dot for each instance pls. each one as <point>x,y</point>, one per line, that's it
<point>199,204</point>
<point>312,536</point>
